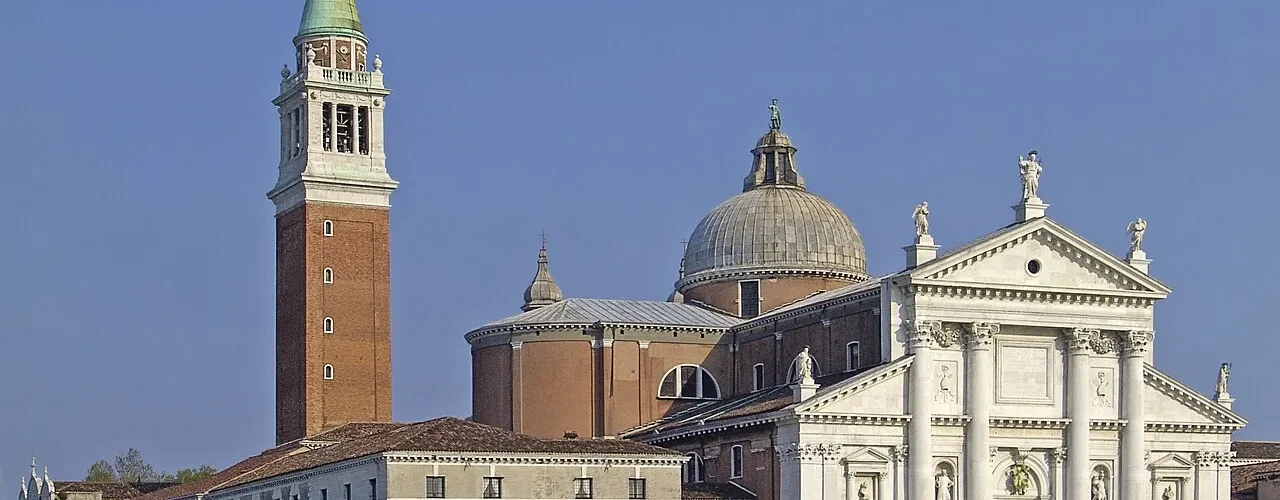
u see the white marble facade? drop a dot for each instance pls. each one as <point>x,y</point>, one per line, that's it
<point>1022,368</point>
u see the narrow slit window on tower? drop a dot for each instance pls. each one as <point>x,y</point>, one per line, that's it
<point>328,228</point>
<point>328,275</point>
<point>770,169</point>
<point>297,132</point>
<point>362,120</point>
<point>328,325</point>
<point>328,372</point>
<point>749,298</point>
<point>344,123</point>
<point>327,128</point>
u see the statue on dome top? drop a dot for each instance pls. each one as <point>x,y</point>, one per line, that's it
<point>1029,168</point>
<point>775,116</point>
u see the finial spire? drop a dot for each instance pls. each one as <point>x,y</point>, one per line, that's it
<point>543,291</point>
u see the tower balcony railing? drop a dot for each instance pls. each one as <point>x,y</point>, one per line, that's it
<point>313,73</point>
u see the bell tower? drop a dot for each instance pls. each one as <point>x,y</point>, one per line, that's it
<point>332,199</point>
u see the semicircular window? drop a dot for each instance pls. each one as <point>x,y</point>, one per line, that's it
<point>688,382</point>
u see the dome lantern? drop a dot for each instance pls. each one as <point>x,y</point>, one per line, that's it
<point>775,157</point>
<point>543,291</point>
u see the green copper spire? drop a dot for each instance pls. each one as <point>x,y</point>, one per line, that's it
<point>330,17</point>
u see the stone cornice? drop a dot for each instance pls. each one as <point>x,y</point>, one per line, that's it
<point>703,277</point>
<point>483,332</point>
<point>858,382</point>
<point>534,459</point>
<point>1012,293</point>
<point>1176,427</point>
<point>703,429</point>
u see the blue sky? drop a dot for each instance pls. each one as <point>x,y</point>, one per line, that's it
<point>139,140</point>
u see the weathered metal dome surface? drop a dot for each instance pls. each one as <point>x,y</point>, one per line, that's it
<point>775,228</point>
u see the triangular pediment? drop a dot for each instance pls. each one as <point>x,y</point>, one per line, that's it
<point>1172,461</point>
<point>867,456</point>
<point>1169,403</point>
<point>1065,262</point>
<point>878,391</point>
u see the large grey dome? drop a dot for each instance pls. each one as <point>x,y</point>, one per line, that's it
<point>774,228</point>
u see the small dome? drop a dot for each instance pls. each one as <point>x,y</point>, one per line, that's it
<point>543,291</point>
<point>774,138</point>
<point>774,228</point>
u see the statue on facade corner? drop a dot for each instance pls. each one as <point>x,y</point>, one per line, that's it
<point>942,485</point>
<point>1137,229</point>
<point>1029,168</point>
<point>921,216</point>
<point>775,116</point>
<point>1224,373</point>
<point>804,366</point>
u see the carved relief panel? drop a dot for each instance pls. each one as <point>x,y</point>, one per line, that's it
<point>342,49</point>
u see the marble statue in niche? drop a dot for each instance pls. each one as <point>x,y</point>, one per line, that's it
<point>1098,487</point>
<point>946,383</point>
<point>942,485</point>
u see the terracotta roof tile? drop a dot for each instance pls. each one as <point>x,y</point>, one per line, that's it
<point>202,486</point>
<point>715,491</point>
<point>110,490</point>
<point>1253,450</point>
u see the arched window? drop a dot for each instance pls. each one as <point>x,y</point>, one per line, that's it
<point>757,377</point>
<point>328,372</point>
<point>791,371</point>
<point>852,356</point>
<point>328,228</point>
<point>735,462</point>
<point>328,275</point>
<point>693,471</point>
<point>689,382</point>
<point>328,325</point>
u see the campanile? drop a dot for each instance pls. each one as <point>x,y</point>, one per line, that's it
<point>332,199</point>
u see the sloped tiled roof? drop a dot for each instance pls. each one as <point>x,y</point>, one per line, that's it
<point>110,490</point>
<point>715,491</point>
<point>746,405</point>
<point>1244,478</point>
<point>363,439</point>
<point>1255,450</point>
<point>636,312</point>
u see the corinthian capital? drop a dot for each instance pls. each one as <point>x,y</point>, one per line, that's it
<point>1137,341</point>
<point>923,333</point>
<point>1081,340</point>
<point>980,335</point>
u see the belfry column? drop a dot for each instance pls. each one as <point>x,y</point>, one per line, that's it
<point>1078,345</point>
<point>1133,470</point>
<point>919,430</point>
<point>978,436</point>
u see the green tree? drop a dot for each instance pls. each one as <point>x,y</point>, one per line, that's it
<point>195,474</point>
<point>132,468</point>
<point>101,471</point>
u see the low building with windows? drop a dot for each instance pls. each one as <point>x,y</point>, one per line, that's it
<point>442,458</point>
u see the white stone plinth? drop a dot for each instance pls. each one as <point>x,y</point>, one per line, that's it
<point>1225,400</point>
<point>1029,209</point>
<point>922,251</point>
<point>1138,259</point>
<point>804,390</point>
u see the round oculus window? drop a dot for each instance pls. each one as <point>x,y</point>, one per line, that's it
<point>1033,267</point>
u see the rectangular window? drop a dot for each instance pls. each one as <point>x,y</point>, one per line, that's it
<point>346,491</point>
<point>373,489</point>
<point>326,128</point>
<point>852,356</point>
<point>735,461</point>
<point>770,169</point>
<point>582,488</point>
<point>345,127</point>
<point>635,488</point>
<point>362,120</point>
<point>492,487</point>
<point>749,298</point>
<point>435,486</point>
<point>297,132</point>
<point>324,494</point>
<point>757,377</point>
